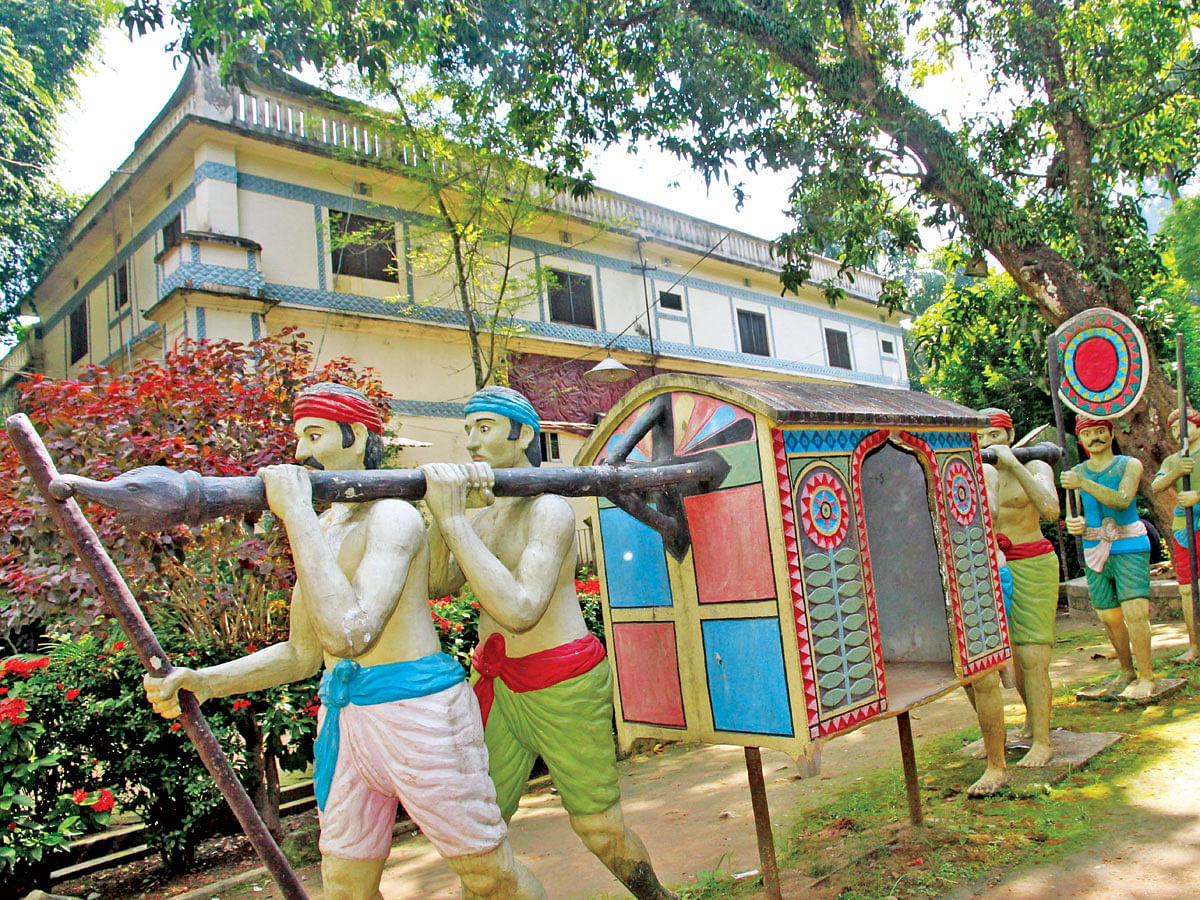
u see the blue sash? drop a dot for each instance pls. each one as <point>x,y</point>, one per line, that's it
<point>349,682</point>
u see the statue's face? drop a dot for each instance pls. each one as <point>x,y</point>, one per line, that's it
<point>1095,439</point>
<point>1193,433</point>
<point>487,440</point>
<point>319,445</point>
<point>991,436</point>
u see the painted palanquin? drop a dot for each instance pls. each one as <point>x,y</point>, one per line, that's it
<point>842,571</point>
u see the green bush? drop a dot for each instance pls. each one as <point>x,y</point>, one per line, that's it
<point>456,618</point>
<point>94,726</point>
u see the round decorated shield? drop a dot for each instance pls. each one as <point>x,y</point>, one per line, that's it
<point>1103,363</point>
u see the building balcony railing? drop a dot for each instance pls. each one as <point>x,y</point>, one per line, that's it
<point>16,362</point>
<point>279,113</point>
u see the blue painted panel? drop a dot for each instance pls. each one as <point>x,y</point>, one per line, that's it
<point>634,561</point>
<point>746,680</point>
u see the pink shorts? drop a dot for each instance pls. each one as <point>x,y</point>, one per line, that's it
<point>426,752</point>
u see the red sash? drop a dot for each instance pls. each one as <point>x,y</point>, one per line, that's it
<point>533,672</point>
<point>1027,550</point>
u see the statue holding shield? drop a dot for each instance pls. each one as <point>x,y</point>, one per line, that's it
<point>1115,549</point>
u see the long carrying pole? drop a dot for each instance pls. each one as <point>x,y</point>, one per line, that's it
<point>1190,512</point>
<point>1055,372</point>
<point>125,610</point>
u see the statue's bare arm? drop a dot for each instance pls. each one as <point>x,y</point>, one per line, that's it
<point>445,576</point>
<point>516,599</point>
<point>1125,492</point>
<point>349,615</point>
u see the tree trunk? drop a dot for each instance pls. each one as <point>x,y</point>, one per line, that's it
<point>265,792</point>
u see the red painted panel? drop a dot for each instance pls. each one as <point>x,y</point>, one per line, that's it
<point>730,545</point>
<point>648,673</point>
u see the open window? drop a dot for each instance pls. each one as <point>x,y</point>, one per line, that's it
<point>362,246</point>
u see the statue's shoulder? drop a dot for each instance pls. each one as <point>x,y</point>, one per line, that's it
<point>393,512</point>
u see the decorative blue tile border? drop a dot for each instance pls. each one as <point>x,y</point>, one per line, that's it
<point>170,211</point>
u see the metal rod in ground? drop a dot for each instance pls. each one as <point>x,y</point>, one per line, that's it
<point>1189,513</point>
<point>762,824</point>
<point>122,606</point>
<point>908,757</point>
<point>1055,372</point>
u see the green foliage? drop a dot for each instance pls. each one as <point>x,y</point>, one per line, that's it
<point>221,408</point>
<point>456,618</point>
<point>1182,228</point>
<point>99,727</point>
<point>43,47</point>
<point>47,794</point>
<point>94,726</point>
<point>984,344</point>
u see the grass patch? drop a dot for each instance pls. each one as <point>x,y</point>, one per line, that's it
<point>861,847</point>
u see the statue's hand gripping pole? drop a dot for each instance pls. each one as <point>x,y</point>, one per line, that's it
<point>154,498</point>
<point>124,609</point>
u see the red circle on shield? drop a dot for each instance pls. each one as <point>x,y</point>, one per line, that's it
<point>1096,363</point>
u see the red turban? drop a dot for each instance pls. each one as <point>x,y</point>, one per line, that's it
<point>1084,422</point>
<point>1000,419</point>
<point>338,407</point>
<point>1193,417</point>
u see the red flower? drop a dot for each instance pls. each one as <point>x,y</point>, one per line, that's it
<point>240,704</point>
<point>105,802</point>
<point>79,796</point>
<point>13,710</point>
<point>312,709</point>
<point>61,686</point>
<point>175,726</point>
<point>118,646</point>
<point>72,693</point>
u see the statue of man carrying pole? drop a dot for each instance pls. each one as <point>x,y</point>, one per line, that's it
<point>1021,495</point>
<point>545,687</point>
<point>1115,549</point>
<point>397,719</point>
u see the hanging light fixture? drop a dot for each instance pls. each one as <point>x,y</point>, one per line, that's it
<point>608,371</point>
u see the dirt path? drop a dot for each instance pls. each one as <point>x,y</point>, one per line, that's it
<point>691,806</point>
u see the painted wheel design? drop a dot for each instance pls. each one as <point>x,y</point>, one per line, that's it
<point>824,509</point>
<point>960,488</point>
<point>1103,363</point>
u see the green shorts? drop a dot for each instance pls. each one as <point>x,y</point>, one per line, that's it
<point>1035,599</point>
<point>1126,576</point>
<point>569,725</point>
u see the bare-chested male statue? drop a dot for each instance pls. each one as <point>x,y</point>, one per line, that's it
<point>397,719</point>
<point>1170,474</point>
<point>1021,495</point>
<point>545,687</point>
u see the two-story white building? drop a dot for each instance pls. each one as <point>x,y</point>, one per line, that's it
<point>217,226</point>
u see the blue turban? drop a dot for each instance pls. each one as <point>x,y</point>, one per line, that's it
<point>506,402</point>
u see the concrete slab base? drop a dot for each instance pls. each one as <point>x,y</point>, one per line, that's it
<point>1109,691</point>
<point>1072,751</point>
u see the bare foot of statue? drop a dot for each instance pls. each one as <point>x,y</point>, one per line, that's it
<point>989,783</point>
<point>1038,755</point>
<point>1191,654</point>
<point>1024,733</point>
<point>1142,689</point>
